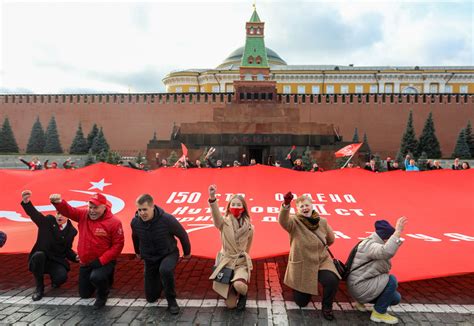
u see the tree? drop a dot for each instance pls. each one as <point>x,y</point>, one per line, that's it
<point>100,144</point>
<point>409,142</point>
<point>429,143</point>
<point>90,158</point>
<point>173,158</point>
<point>469,137</point>
<point>79,143</point>
<point>7,138</point>
<point>92,134</point>
<point>113,158</point>
<point>37,141</point>
<point>461,149</point>
<point>52,144</point>
<point>378,163</point>
<point>366,142</point>
<point>307,159</point>
<point>422,161</point>
<point>355,138</point>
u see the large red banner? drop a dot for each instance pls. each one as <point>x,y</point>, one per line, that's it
<point>439,236</point>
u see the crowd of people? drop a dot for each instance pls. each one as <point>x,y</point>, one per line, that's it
<point>35,164</point>
<point>155,234</point>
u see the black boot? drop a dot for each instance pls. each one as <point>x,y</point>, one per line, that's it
<point>242,302</point>
<point>38,295</point>
<point>327,314</point>
<point>173,306</point>
<point>100,302</point>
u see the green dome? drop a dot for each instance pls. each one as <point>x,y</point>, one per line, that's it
<point>236,56</point>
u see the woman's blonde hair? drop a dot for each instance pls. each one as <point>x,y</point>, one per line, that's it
<point>245,213</point>
<point>303,198</point>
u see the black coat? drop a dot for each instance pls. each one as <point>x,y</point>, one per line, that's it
<point>155,239</point>
<point>56,244</point>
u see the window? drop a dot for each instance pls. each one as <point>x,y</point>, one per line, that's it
<point>250,60</point>
<point>448,89</point>
<point>251,30</point>
<point>359,89</point>
<point>433,88</point>
<point>202,89</point>
<point>388,88</point>
<point>258,30</point>
<point>248,77</point>
<point>373,88</point>
<point>179,89</point>
<point>329,89</point>
<point>344,89</point>
<point>315,89</point>
<point>410,90</point>
<point>260,76</point>
<point>215,89</point>
<point>258,60</point>
<point>301,89</point>
<point>286,89</point>
<point>463,89</point>
<point>192,89</point>
<point>229,88</point>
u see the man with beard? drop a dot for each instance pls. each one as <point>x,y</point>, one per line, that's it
<point>100,243</point>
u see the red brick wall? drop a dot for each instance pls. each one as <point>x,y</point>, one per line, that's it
<point>129,126</point>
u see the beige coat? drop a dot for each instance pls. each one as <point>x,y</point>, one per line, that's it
<point>307,253</point>
<point>234,253</point>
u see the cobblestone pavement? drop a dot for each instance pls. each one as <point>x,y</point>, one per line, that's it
<point>442,301</point>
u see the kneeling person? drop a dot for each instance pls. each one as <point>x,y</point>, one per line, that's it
<point>153,234</point>
<point>52,248</point>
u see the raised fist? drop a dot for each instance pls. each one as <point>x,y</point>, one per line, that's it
<point>288,198</point>
<point>212,191</point>
<point>25,196</point>
<point>55,198</point>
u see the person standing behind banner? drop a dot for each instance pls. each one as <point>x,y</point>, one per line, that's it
<point>309,261</point>
<point>53,245</point>
<point>153,235</point>
<point>3,238</point>
<point>371,282</point>
<point>101,241</point>
<point>236,236</point>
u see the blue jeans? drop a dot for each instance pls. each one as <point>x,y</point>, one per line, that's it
<point>389,296</point>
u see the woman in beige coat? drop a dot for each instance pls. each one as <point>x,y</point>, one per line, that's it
<point>236,236</point>
<point>309,261</point>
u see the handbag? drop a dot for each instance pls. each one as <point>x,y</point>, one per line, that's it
<point>224,276</point>
<point>340,266</point>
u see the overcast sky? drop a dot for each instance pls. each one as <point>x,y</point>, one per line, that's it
<point>122,46</point>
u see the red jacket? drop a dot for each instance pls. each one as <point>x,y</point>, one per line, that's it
<point>102,238</point>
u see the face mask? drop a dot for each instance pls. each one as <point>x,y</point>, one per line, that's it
<point>236,211</point>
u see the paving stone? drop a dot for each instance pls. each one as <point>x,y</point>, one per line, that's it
<point>13,318</point>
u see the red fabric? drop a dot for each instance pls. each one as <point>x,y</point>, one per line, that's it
<point>348,150</point>
<point>102,238</point>
<point>439,236</point>
<point>184,149</point>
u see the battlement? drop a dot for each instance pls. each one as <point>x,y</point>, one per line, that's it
<point>227,98</point>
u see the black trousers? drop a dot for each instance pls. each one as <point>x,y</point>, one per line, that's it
<point>160,276</point>
<point>329,281</point>
<point>40,265</point>
<point>99,279</point>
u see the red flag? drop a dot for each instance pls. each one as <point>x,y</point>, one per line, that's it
<point>349,150</point>
<point>184,149</point>
<point>182,159</point>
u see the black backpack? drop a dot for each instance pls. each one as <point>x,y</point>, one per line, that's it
<point>350,260</point>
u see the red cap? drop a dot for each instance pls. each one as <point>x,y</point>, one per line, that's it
<point>98,199</point>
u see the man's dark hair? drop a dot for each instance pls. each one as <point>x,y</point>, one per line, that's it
<point>145,198</point>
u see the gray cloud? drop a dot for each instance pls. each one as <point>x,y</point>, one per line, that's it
<point>140,16</point>
<point>17,90</point>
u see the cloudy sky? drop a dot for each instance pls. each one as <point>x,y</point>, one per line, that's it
<point>121,46</point>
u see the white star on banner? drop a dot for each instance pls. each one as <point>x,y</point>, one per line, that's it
<point>99,185</point>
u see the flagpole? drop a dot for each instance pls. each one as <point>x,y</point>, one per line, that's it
<point>348,161</point>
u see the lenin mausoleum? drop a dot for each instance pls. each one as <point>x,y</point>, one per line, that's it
<point>254,102</point>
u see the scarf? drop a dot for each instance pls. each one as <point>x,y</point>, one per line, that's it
<point>312,223</point>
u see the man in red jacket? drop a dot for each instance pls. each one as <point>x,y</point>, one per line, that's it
<point>100,242</point>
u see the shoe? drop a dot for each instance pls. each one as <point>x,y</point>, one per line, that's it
<point>100,303</point>
<point>362,307</point>
<point>383,318</point>
<point>173,307</point>
<point>38,295</point>
<point>242,302</point>
<point>327,314</point>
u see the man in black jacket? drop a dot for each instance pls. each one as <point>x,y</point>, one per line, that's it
<point>153,234</point>
<point>53,245</point>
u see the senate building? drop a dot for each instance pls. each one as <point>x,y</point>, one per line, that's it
<point>256,103</point>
